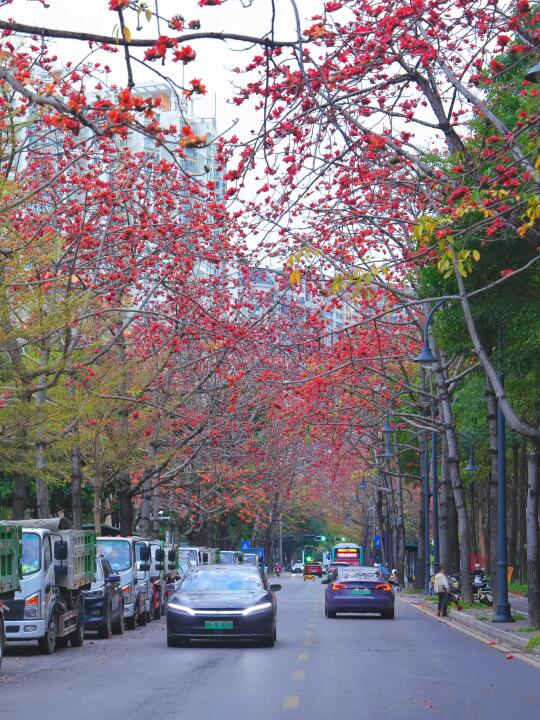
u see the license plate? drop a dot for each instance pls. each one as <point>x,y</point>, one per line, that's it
<point>218,625</point>
<point>361,591</point>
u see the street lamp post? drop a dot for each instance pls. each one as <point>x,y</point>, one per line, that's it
<point>426,358</point>
<point>388,454</point>
<point>503,613</point>
<point>427,548</point>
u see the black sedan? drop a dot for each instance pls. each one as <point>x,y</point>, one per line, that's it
<point>358,590</point>
<point>222,602</point>
<point>104,602</point>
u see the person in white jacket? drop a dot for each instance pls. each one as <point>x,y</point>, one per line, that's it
<point>441,586</point>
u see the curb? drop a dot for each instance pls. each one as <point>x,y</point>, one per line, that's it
<point>478,626</point>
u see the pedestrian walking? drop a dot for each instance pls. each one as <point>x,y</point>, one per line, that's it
<point>441,586</point>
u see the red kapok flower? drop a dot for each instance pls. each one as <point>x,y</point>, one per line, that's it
<point>118,4</point>
<point>185,54</point>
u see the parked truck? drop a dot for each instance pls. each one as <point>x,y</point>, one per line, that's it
<point>151,575</point>
<point>57,564</point>
<point>121,554</point>
<point>10,573</point>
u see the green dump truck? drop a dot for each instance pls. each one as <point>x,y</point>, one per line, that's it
<point>10,581</point>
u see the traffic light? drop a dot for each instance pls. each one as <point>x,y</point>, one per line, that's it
<point>342,539</point>
<point>309,558</point>
<point>323,538</point>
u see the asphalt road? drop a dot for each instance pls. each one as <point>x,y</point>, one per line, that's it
<point>346,668</point>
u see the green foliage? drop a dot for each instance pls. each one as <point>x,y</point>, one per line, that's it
<point>519,588</point>
<point>534,642</point>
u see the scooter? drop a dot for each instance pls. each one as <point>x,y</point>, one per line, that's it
<point>482,592</point>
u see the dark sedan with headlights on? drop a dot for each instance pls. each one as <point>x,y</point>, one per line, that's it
<point>358,590</point>
<point>222,602</point>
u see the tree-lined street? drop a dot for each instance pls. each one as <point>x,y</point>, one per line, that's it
<point>411,668</point>
<point>270,297</point>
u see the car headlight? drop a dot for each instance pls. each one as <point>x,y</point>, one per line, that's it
<point>181,608</point>
<point>94,594</point>
<point>257,608</point>
<point>32,607</point>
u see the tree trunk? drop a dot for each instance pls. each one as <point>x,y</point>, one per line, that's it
<point>513,508</point>
<point>76,487</point>
<point>20,491</point>
<point>473,518</point>
<point>453,536</point>
<point>533,559</point>
<point>145,524</point>
<point>380,522</point>
<point>491,401</point>
<point>457,486</point>
<point>400,529</point>
<point>443,511</point>
<point>421,556</point>
<point>522,504</point>
<point>42,491</point>
<point>125,506</point>
<point>97,505</point>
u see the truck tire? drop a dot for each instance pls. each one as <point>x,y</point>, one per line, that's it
<point>2,639</point>
<point>76,638</point>
<point>142,619</point>
<point>47,644</point>
<point>130,622</point>
<point>157,612</point>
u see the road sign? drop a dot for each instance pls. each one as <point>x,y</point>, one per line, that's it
<point>376,541</point>
<point>245,544</point>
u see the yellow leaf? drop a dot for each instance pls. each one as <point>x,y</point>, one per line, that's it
<point>294,277</point>
<point>537,163</point>
<point>148,14</point>
<point>127,33</point>
<point>476,255</point>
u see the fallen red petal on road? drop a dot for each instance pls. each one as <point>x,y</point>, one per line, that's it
<point>509,657</point>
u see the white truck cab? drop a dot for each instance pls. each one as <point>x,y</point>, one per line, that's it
<point>121,554</point>
<point>57,563</point>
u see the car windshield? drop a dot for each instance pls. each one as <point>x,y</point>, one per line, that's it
<point>219,581</point>
<point>116,552</point>
<point>31,553</point>
<point>189,555</point>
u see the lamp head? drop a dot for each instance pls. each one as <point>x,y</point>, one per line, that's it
<point>533,74</point>
<point>426,357</point>
<point>471,465</point>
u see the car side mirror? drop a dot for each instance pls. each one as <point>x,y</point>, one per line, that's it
<point>144,567</point>
<point>160,555</point>
<point>113,578</point>
<point>274,588</point>
<point>145,553</point>
<point>60,550</point>
<point>326,581</point>
<point>171,556</point>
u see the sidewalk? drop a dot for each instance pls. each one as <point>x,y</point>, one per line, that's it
<point>515,635</point>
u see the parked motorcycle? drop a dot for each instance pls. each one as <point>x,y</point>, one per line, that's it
<point>482,591</point>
